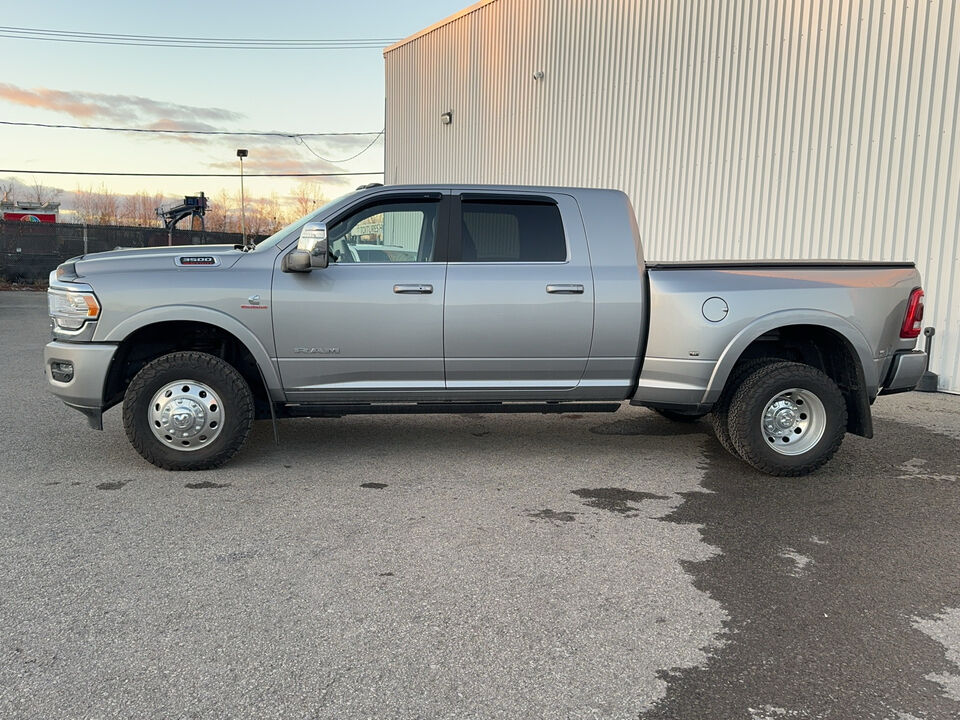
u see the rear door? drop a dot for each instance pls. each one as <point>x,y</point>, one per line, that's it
<point>518,313</point>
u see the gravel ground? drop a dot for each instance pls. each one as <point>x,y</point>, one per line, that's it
<point>472,566</point>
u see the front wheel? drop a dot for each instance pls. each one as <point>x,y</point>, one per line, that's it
<point>188,411</point>
<point>787,419</point>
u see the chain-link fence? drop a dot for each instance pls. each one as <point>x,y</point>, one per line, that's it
<point>29,251</point>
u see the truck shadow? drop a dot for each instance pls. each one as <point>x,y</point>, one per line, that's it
<point>823,579</point>
<point>453,432</point>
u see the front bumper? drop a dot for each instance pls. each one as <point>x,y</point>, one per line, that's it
<point>90,363</point>
<point>905,371</point>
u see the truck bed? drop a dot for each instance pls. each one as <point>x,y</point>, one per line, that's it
<point>703,315</point>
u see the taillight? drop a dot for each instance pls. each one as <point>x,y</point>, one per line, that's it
<point>914,319</point>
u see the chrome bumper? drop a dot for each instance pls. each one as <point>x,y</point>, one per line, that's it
<point>90,363</point>
<point>905,372</point>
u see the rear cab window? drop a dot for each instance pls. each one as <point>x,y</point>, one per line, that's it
<point>511,230</point>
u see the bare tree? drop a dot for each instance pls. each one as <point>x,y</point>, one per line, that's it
<point>42,193</point>
<point>97,206</point>
<point>8,190</point>
<point>255,219</point>
<point>307,196</point>
<point>275,216</point>
<point>140,208</point>
<point>218,212</point>
<point>263,216</point>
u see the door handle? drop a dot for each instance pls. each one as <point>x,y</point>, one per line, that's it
<point>413,289</point>
<point>575,289</point>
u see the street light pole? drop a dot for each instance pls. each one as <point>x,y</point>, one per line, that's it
<point>242,153</point>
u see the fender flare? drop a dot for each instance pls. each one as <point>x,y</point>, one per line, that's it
<point>208,316</point>
<point>782,318</point>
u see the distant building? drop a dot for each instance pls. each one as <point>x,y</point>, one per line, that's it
<point>25,211</point>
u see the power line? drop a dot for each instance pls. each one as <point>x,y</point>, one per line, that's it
<point>187,37</point>
<point>188,132</point>
<point>138,174</point>
<point>70,36</point>
<point>372,46</point>
<point>300,141</point>
<point>298,137</point>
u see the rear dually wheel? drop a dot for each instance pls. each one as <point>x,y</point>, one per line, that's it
<point>787,419</point>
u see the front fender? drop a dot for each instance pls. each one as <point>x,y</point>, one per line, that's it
<point>767,323</point>
<point>195,313</point>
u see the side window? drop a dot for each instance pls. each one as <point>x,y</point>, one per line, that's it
<point>389,232</point>
<point>512,232</point>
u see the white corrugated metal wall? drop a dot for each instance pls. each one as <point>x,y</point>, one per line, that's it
<point>740,129</point>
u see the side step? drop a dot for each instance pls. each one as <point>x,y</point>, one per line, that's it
<point>338,410</point>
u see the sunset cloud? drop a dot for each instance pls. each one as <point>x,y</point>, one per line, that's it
<point>91,107</point>
<point>171,124</point>
<point>269,158</point>
<point>275,154</point>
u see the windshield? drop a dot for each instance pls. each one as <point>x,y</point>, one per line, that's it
<point>295,226</point>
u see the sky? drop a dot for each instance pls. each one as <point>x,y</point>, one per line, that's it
<point>266,90</point>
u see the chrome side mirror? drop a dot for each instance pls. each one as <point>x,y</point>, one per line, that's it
<point>297,261</point>
<point>313,241</point>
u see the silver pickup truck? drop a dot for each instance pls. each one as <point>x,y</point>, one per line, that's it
<point>416,299</point>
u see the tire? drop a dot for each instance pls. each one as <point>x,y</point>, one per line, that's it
<point>787,419</point>
<point>188,411</point>
<point>677,416</point>
<point>721,409</point>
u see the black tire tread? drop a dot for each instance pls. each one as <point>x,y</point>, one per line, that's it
<point>739,421</point>
<point>188,359</point>
<point>721,409</point>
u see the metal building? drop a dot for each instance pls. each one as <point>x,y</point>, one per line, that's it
<point>740,129</point>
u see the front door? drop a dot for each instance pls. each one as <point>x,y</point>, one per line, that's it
<point>371,323</point>
<point>518,318</point>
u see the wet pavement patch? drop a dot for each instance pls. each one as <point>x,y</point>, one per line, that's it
<point>616,500</point>
<point>374,486</point>
<point>115,485</point>
<point>823,579</point>
<point>552,515</point>
<point>206,485</point>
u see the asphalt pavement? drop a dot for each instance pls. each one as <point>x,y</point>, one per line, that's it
<point>472,566</point>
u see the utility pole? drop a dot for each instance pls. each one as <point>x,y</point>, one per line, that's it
<point>242,153</point>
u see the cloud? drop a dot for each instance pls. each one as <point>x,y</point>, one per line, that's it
<point>267,158</point>
<point>275,154</point>
<point>171,124</point>
<point>91,107</point>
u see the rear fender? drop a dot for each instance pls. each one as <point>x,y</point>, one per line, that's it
<point>767,323</point>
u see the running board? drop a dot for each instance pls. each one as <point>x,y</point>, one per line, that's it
<point>338,410</point>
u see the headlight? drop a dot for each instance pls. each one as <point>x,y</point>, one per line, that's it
<point>70,310</point>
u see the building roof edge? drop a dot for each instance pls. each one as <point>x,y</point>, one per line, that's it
<point>439,24</point>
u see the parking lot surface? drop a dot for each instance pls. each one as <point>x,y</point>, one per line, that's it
<point>472,566</point>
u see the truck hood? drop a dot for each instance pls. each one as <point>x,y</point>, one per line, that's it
<point>177,257</point>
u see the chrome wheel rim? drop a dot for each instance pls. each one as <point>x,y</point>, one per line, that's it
<point>185,415</point>
<point>793,421</point>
